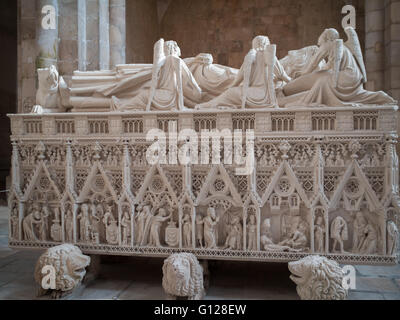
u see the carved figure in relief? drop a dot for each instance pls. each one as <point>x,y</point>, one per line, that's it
<point>187,230</point>
<point>392,238</point>
<point>234,239</point>
<point>143,216</point>
<point>14,222</point>
<point>199,231</point>
<point>252,233</point>
<point>84,224</point>
<point>375,162</point>
<point>298,238</point>
<point>339,233</point>
<point>339,160</point>
<point>55,230</point>
<point>210,229</point>
<point>30,223</point>
<point>69,226</point>
<point>359,226</point>
<point>111,226</point>
<point>330,160</point>
<point>319,235</point>
<point>268,244</point>
<point>43,227</point>
<point>370,242</point>
<point>156,222</point>
<point>340,83</point>
<point>95,221</point>
<point>126,227</point>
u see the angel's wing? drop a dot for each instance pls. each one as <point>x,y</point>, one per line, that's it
<point>248,61</point>
<point>270,58</point>
<point>337,58</point>
<point>158,53</point>
<point>353,44</point>
<point>158,59</point>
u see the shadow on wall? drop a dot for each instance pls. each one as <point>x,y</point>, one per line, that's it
<point>8,84</point>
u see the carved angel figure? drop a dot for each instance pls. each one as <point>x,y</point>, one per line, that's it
<point>254,84</point>
<point>172,84</point>
<point>341,83</point>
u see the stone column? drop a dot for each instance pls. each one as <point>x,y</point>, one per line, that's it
<point>374,44</point>
<point>26,54</point>
<point>46,39</point>
<point>88,35</point>
<point>117,27</point>
<point>82,52</point>
<point>68,32</point>
<point>104,35</point>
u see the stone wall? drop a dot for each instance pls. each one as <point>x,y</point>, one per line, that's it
<point>382,54</point>
<point>142,30</point>
<point>225,28</point>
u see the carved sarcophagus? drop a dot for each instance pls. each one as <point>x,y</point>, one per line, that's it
<point>313,180</point>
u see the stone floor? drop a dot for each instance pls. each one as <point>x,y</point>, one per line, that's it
<point>140,278</point>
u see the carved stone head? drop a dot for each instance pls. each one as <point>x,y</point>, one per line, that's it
<point>318,278</point>
<point>211,212</point>
<point>183,276</point>
<point>205,58</point>
<point>330,34</point>
<point>171,49</point>
<point>260,43</point>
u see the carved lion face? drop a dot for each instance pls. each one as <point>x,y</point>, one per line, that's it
<point>69,263</point>
<point>182,275</point>
<point>317,278</point>
<point>178,274</point>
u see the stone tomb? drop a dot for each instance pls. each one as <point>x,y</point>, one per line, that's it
<point>325,181</point>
